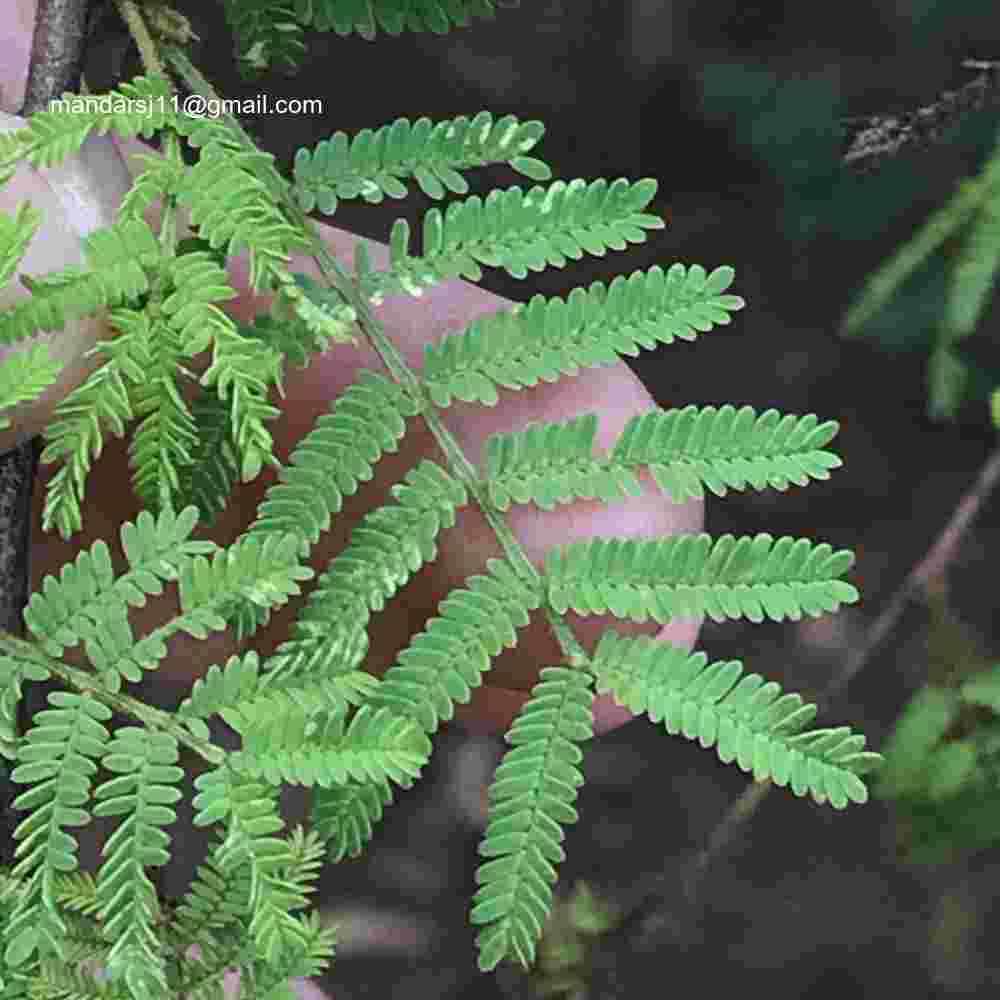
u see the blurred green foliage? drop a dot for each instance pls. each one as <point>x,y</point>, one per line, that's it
<point>574,924</point>
<point>950,265</point>
<point>942,760</point>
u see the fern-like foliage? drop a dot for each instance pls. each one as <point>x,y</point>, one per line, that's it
<point>88,603</point>
<point>141,107</point>
<point>441,666</point>
<point>305,748</point>
<point>446,661</point>
<point>269,34</point>
<point>266,34</point>
<point>117,255</point>
<point>57,759</point>
<point>252,809</point>
<point>207,481</point>
<point>230,206</point>
<point>747,720</point>
<point>15,234</point>
<point>523,232</point>
<point>548,338</point>
<point>330,462</point>
<point>311,713</point>
<point>393,16</point>
<point>723,449</point>
<point>390,545</point>
<point>370,165</point>
<point>146,769</point>
<point>687,576</point>
<point>531,799</point>
<point>26,377</point>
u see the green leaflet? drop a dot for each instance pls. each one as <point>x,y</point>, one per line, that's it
<point>392,16</point>
<point>723,449</point>
<point>269,34</point>
<point>367,420</point>
<point>747,720</point>
<point>531,799</point>
<point>523,232</point>
<point>15,234</point>
<point>142,106</point>
<point>119,257</point>
<point>146,767</point>
<point>25,376</point>
<point>56,758</point>
<point>447,660</point>
<point>547,338</point>
<point>686,576</point>
<point>370,166</point>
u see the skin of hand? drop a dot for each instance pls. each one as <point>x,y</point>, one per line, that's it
<point>613,392</point>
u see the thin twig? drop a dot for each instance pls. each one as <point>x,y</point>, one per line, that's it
<point>148,51</point>
<point>871,140</point>
<point>643,920</point>
<point>54,67</point>
<point>56,54</point>
<point>17,474</point>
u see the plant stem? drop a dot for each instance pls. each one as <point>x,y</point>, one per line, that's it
<point>148,52</point>
<point>53,68</point>
<point>90,684</point>
<point>394,362</point>
<point>56,52</point>
<point>871,140</point>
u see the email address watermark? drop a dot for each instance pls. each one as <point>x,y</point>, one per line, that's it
<point>193,105</point>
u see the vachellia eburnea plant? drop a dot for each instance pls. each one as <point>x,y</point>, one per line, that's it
<point>311,714</point>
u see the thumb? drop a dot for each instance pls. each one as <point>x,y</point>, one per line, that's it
<point>17,28</point>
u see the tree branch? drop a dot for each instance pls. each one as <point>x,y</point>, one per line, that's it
<point>56,52</point>
<point>54,67</point>
<point>871,140</point>
<point>17,473</point>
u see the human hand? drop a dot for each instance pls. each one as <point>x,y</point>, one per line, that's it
<point>614,393</point>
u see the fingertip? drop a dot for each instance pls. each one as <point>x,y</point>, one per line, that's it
<point>609,715</point>
<point>16,32</point>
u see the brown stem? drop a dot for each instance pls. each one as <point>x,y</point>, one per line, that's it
<point>56,52</point>
<point>873,139</point>
<point>144,41</point>
<point>54,67</point>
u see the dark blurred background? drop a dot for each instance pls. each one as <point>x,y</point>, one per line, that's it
<point>734,108</point>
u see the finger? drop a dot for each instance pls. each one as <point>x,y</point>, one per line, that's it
<point>613,392</point>
<point>73,198</point>
<point>464,550</point>
<point>16,30</point>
